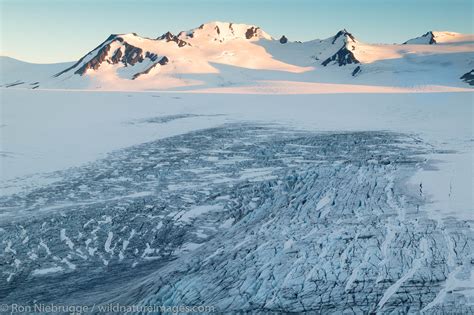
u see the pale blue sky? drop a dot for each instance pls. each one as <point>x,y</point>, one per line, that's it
<point>46,31</point>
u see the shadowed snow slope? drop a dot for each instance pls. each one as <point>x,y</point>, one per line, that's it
<point>236,56</point>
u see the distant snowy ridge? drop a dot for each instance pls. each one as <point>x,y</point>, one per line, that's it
<point>224,31</point>
<point>432,37</point>
<point>236,56</point>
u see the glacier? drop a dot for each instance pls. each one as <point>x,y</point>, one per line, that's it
<point>343,203</point>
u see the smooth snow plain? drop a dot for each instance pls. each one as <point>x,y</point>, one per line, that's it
<point>53,138</point>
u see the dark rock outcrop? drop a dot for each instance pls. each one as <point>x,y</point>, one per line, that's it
<point>251,32</point>
<point>151,56</point>
<point>127,54</point>
<point>147,70</point>
<point>110,38</point>
<point>283,40</point>
<point>169,37</point>
<point>432,39</point>
<point>429,35</point>
<point>163,61</point>
<point>468,77</point>
<point>95,62</point>
<point>117,56</point>
<point>132,55</point>
<point>345,33</point>
<point>342,57</point>
<point>356,71</point>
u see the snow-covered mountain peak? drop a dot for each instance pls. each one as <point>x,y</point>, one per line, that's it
<point>426,39</point>
<point>345,36</point>
<point>224,31</point>
<point>340,49</point>
<point>226,54</point>
<point>118,50</point>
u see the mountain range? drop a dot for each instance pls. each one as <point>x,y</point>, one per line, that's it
<point>229,56</point>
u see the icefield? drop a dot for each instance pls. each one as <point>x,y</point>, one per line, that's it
<point>323,203</point>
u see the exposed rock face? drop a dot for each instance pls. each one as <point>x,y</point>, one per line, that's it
<point>169,37</point>
<point>432,38</point>
<point>163,61</point>
<point>344,55</point>
<point>151,56</point>
<point>251,32</point>
<point>117,56</point>
<point>132,55</point>
<point>128,55</point>
<point>343,33</point>
<point>111,37</point>
<point>283,40</point>
<point>427,38</point>
<point>468,77</point>
<point>95,62</point>
<point>125,53</point>
<point>356,71</point>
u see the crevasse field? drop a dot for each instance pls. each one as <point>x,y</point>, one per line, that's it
<point>324,202</point>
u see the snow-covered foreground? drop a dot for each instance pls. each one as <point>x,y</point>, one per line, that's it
<point>326,203</point>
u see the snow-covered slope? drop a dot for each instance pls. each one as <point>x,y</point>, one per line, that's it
<point>239,56</point>
<point>432,37</point>
<point>15,72</point>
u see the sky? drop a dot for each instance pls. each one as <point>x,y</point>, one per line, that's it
<point>48,31</point>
